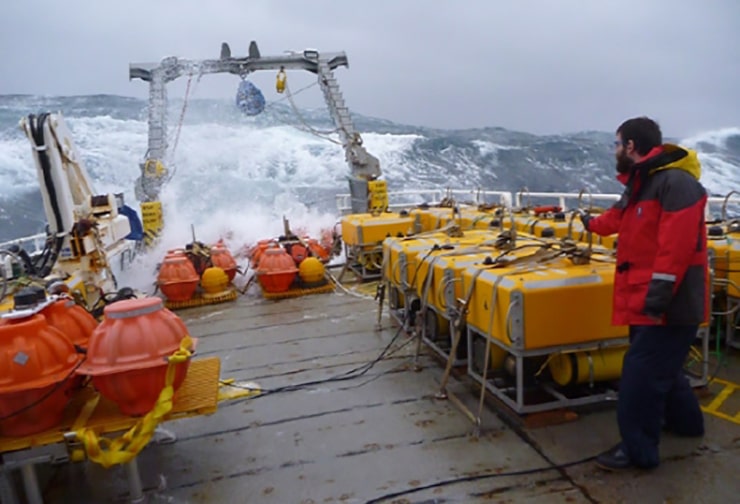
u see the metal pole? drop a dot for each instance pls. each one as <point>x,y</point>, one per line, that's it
<point>136,491</point>
<point>519,382</point>
<point>31,484</point>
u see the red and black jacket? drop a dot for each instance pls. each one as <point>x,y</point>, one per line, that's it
<point>661,273</point>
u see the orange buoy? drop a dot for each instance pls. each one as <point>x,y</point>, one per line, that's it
<point>317,250</point>
<point>74,321</point>
<point>298,252</point>
<point>127,353</point>
<point>547,209</point>
<point>256,252</point>
<point>38,363</point>
<point>222,258</point>
<point>327,239</point>
<point>177,278</point>
<point>276,271</point>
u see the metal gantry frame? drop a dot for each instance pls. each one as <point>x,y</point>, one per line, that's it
<point>363,165</point>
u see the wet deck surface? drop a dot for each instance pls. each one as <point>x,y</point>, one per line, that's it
<point>357,440</point>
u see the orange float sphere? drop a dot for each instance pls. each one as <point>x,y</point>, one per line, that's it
<point>277,270</point>
<point>222,258</point>
<point>73,320</point>
<point>37,363</point>
<point>298,252</point>
<point>317,250</point>
<point>75,323</point>
<point>127,353</point>
<point>177,278</point>
<point>255,253</point>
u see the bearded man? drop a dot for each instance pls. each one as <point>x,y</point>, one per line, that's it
<point>660,288</point>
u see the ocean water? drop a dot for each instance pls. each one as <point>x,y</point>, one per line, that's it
<point>234,177</point>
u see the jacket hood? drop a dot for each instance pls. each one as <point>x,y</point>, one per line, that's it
<point>666,157</point>
<point>672,157</point>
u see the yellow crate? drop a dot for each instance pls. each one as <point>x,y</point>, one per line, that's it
<point>550,305</point>
<point>536,226</point>
<point>466,217</point>
<point>369,230</point>
<point>608,242</point>
<point>724,253</point>
<point>719,251</point>
<point>444,267</point>
<point>473,218</point>
<point>423,218</point>
<point>400,256</point>
<point>522,221</point>
<point>442,284</point>
<point>491,222</point>
<point>453,245</point>
<point>731,263</point>
<point>433,218</point>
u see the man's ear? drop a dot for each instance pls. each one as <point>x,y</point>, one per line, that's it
<point>629,147</point>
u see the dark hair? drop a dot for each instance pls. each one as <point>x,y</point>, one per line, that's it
<point>644,133</point>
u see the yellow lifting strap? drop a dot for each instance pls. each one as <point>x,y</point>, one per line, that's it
<point>280,83</point>
<point>109,452</point>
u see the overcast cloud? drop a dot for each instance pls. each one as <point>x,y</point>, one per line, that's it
<point>538,66</point>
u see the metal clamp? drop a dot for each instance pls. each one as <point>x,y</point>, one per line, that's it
<point>75,449</point>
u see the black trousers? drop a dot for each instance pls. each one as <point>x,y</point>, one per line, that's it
<point>654,391</point>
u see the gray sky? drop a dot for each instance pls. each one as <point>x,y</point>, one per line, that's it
<point>539,66</point>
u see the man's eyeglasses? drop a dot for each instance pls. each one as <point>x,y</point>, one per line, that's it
<point>617,143</point>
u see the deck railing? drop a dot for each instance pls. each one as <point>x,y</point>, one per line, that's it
<point>403,199</point>
<point>716,205</point>
<point>31,244</point>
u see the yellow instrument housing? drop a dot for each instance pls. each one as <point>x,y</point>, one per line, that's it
<point>445,285</point>
<point>369,231</point>
<point>467,218</point>
<point>587,366</point>
<point>536,225</point>
<point>402,255</point>
<point>471,239</point>
<point>726,262</point>
<point>400,258</point>
<point>549,305</point>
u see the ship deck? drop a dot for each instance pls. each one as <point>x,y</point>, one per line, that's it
<point>384,433</point>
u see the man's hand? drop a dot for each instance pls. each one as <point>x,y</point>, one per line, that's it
<point>584,216</point>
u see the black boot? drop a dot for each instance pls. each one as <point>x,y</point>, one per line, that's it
<point>615,459</point>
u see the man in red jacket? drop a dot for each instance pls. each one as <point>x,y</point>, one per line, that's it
<point>660,288</point>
